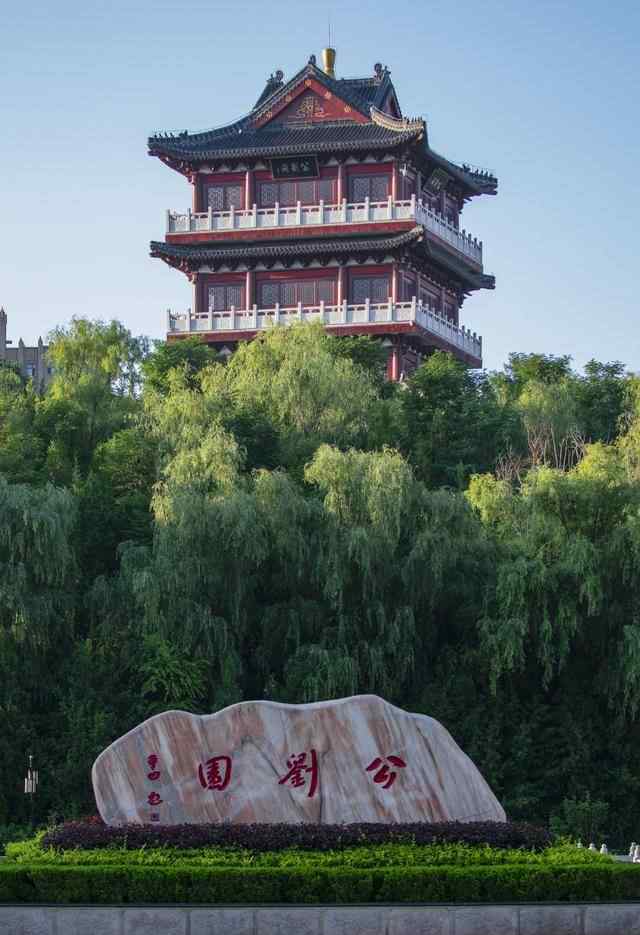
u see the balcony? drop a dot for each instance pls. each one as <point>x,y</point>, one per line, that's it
<point>460,240</point>
<point>366,212</point>
<point>344,315</point>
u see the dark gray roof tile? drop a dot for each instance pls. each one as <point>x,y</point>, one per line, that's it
<point>220,252</point>
<point>281,139</point>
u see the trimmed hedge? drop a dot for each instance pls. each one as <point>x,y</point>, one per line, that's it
<point>20,883</point>
<point>276,837</point>
<point>360,857</point>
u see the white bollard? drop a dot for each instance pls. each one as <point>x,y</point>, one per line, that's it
<point>579,844</point>
<point>604,849</point>
<point>632,848</point>
<point>592,847</point>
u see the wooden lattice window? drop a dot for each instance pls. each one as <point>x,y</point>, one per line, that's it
<point>407,185</point>
<point>373,187</point>
<point>375,288</point>
<point>269,294</point>
<point>451,211</point>
<point>224,196</point>
<point>407,287</point>
<point>225,296</point>
<point>290,292</point>
<point>305,191</point>
<point>430,299</point>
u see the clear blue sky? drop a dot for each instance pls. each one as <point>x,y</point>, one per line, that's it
<point>545,94</point>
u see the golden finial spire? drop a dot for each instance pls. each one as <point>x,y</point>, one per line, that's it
<point>329,61</point>
<point>329,55</point>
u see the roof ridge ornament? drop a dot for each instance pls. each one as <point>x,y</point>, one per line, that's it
<point>478,171</point>
<point>329,62</point>
<point>396,123</point>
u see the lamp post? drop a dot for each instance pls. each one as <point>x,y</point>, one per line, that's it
<point>31,785</point>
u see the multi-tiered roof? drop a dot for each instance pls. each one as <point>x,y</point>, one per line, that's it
<point>370,121</point>
<point>339,131</point>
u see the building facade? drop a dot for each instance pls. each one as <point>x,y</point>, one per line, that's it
<point>31,362</point>
<point>325,204</point>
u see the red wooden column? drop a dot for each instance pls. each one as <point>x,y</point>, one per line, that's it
<point>249,289</point>
<point>394,180</point>
<point>340,296</point>
<point>393,363</point>
<point>341,193</point>
<point>197,294</point>
<point>249,189</point>
<point>195,193</point>
<point>394,283</point>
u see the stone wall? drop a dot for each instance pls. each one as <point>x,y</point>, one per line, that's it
<point>532,919</point>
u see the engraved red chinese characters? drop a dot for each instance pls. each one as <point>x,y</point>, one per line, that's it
<point>384,775</point>
<point>298,768</point>
<point>215,773</point>
<point>152,761</point>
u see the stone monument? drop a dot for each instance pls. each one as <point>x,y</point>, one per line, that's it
<point>356,759</point>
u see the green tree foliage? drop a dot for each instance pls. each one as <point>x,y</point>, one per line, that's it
<point>453,423</point>
<point>178,531</point>
<point>602,397</point>
<point>190,356</point>
<point>96,377</point>
<point>582,820</point>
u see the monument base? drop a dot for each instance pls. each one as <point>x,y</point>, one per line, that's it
<point>432,919</point>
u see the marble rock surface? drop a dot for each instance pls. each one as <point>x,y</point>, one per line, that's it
<point>354,759</point>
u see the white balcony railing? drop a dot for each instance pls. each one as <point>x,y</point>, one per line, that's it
<point>345,315</point>
<point>321,214</point>
<point>460,240</point>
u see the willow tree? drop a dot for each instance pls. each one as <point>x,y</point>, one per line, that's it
<point>92,394</point>
<point>452,423</point>
<point>37,606</point>
<point>568,574</point>
<point>294,379</point>
<point>550,417</point>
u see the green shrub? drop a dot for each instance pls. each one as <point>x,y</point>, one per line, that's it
<point>10,833</point>
<point>65,883</point>
<point>374,856</point>
<point>363,874</point>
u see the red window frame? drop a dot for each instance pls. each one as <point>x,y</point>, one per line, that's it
<point>228,295</point>
<point>431,299</point>
<point>408,286</point>
<point>370,278</point>
<point>368,179</point>
<point>290,292</point>
<point>305,191</point>
<point>225,186</point>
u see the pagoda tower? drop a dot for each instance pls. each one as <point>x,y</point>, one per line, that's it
<point>325,204</point>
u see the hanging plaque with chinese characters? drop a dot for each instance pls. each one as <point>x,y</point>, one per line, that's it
<point>355,759</point>
<point>295,167</point>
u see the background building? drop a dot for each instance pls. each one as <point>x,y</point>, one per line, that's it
<point>325,204</point>
<point>31,361</point>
